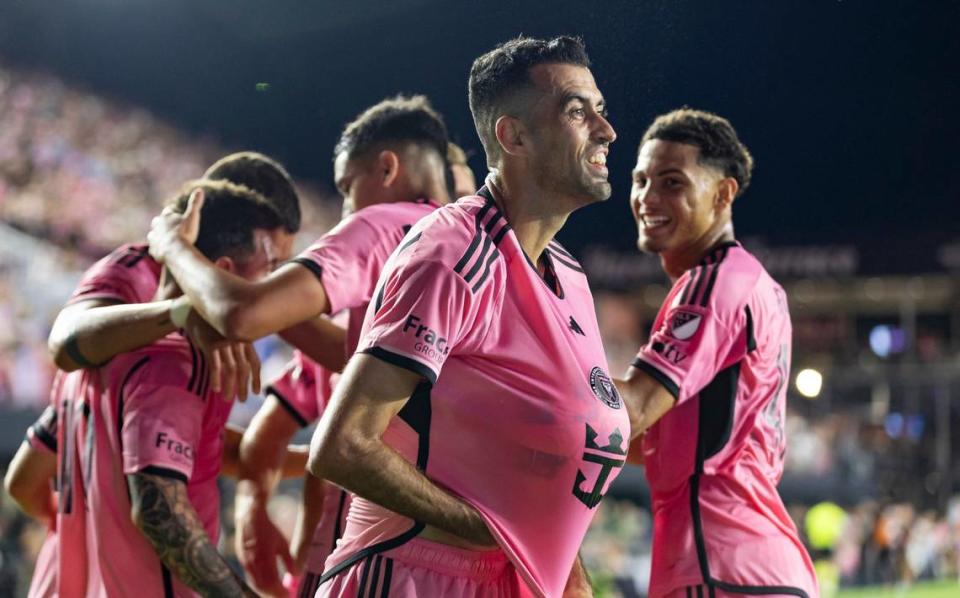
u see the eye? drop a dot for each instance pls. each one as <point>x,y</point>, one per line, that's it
<point>672,183</point>
<point>640,181</point>
<point>578,113</point>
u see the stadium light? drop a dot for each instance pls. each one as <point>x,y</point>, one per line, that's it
<point>809,383</point>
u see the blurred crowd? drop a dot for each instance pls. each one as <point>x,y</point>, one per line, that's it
<point>80,175</point>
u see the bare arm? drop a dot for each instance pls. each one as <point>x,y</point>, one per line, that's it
<point>347,449</point>
<point>321,340</point>
<point>90,333</point>
<point>28,481</point>
<point>161,510</point>
<point>308,518</point>
<point>237,308</point>
<point>578,584</point>
<point>262,453</point>
<point>294,458</point>
<point>647,400</point>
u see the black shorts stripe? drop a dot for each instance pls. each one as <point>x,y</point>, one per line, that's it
<point>165,472</point>
<point>402,361</point>
<point>487,243</point>
<point>387,579</point>
<point>376,577</point>
<point>364,577</point>
<point>486,271</point>
<point>659,376</point>
<point>384,546</point>
<point>699,591</point>
<point>701,547</point>
<point>309,264</point>
<point>689,591</point>
<point>573,266</point>
<point>285,403</point>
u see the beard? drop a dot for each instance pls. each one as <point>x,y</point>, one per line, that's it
<point>572,179</point>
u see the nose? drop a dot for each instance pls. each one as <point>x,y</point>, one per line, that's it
<point>603,131</point>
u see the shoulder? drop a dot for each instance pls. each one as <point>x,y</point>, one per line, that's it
<point>172,361</point>
<point>723,280</point>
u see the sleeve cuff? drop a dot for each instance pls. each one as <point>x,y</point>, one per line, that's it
<point>404,362</point>
<point>659,376</point>
<point>309,265</point>
<point>38,435</point>
<point>164,472</point>
<point>288,406</point>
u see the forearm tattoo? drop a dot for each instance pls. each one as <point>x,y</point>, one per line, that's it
<point>168,520</point>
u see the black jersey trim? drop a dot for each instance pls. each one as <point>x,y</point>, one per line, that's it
<point>337,530</point>
<point>41,428</point>
<point>311,265</point>
<point>716,411</point>
<point>659,376</point>
<point>703,561</point>
<point>410,242</point>
<point>487,244</point>
<point>164,472</point>
<point>387,579</point>
<point>558,257</point>
<point>486,271</point>
<point>193,366</point>
<point>751,338</point>
<point>481,213</point>
<point>715,269</point>
<point>685,295</point>
<point>287,405</point>
<point>403,361</point>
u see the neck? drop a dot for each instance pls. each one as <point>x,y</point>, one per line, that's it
<point>436,190</point>
<point>532,214</point>
<point>675,263</point>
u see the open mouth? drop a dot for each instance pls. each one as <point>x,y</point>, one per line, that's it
<point>598,161</point>
<point>652,222</point>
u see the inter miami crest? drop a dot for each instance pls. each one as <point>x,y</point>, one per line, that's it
<point>684,324</point>
<point>604,389</point>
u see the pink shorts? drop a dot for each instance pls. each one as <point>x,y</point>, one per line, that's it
<point>703,591</point>
<point>423,568</point>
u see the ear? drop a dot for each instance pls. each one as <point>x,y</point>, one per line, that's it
<point>511,135</point>
<point>388,162</point>
<point>225,262</point>
<point>727,189</point>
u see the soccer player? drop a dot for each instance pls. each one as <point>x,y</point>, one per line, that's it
<point>109,312</point>
<point>389,166</point>
<point>710,384</point>
<point>151,453</point>
<point>477,424</point>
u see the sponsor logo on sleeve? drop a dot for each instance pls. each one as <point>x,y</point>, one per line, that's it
<point>604,389</point>
<point>180,451</point>
<point>429,342</point>
<point>669,351</point>
<point>684,324</point>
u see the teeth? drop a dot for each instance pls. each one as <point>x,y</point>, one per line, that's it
<point>599,159</point>
<point>655,220</point>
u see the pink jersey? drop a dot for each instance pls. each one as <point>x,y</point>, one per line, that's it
<point>721,346</point>
<point>516,413</point>
<point>127,275</point>
<point>349,258</point>
<point>155,414</point>
<point>42,436</point>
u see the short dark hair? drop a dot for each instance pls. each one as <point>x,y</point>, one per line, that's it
<point>399,119</point>
<point>265,176</point>
<point>228,218</point>
<point>713,135</point>
<point>497,75</point>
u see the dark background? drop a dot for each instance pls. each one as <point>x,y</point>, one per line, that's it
<point>849,107</point>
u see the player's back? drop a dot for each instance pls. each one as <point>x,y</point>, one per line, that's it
<point>154,415</point>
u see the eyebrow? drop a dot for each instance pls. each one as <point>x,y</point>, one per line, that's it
<point>601,103</point>
<point>662,172</point>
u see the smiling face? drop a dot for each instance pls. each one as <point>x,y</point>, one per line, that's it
<point>681,205</point>
<point>569,132</point>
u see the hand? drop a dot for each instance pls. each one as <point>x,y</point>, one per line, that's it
<point>259,545</point>
<point>170,227</point>
<point>233,365</point>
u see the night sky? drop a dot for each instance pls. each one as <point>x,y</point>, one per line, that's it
<point>850,108</point>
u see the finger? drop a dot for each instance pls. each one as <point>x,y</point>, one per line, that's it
<point>229,373</point>
<point>243,371</point>
<point>194,205</point>
<point>216,371</point>
<point>254,360</point>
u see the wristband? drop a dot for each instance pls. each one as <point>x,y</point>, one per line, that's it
<point>179,313</point>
